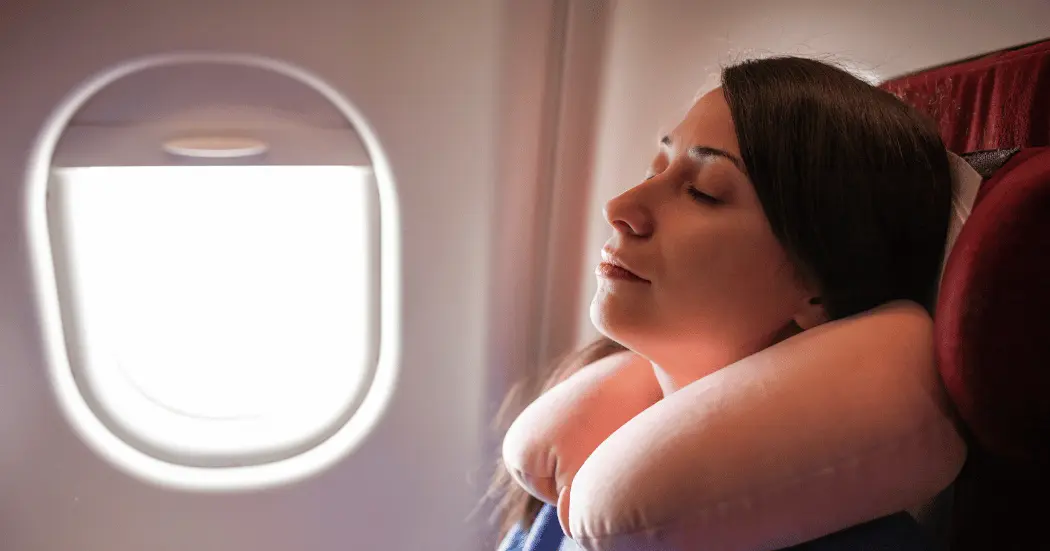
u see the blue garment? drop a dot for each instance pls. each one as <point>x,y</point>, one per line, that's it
<point>545,535</point>
<point>899,532</point>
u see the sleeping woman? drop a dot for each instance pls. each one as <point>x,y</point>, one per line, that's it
<point>792,195</point>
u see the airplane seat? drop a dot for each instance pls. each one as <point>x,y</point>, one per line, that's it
<point>993,353</point>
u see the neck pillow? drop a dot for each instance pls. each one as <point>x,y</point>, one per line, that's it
<point>841,424</point>
<point>549,441</point>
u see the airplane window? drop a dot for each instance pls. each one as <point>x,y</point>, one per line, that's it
<point>218,259</point>
<point>223,309</point>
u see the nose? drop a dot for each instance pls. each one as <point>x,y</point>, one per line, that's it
<point>628,215</point>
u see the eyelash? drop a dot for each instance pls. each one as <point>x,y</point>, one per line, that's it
<point>701,196</point>
<point>696,194</point>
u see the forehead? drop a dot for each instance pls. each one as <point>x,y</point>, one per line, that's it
<point>708,123</point>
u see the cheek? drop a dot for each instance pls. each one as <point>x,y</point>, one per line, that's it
<point>736,270</point>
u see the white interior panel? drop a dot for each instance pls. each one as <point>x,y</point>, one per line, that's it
<point>157,94</point>
<point>424,77</point>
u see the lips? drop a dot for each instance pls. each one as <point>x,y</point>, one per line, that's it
<point>612,271</point>
<point>614,267</point>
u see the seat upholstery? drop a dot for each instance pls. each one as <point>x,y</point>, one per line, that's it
<point>992,326</point>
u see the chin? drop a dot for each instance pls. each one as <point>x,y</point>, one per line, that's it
<point>614,320</point>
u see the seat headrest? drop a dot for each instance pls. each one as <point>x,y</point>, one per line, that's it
<point>992,329</point>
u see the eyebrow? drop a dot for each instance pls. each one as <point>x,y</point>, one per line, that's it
<point>699,151</point>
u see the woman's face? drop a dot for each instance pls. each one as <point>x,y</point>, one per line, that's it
<point>711,283</point>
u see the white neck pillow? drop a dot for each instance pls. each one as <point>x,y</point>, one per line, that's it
<point>554,435</point>
<point>836,426</point>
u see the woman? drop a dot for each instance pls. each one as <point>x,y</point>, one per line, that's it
<point>793,194</point>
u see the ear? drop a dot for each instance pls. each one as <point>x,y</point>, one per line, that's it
<point>811,314</point>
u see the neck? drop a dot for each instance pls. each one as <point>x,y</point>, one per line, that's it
<point>676,370</point>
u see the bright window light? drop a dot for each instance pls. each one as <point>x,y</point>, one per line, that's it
<point>218,315</point>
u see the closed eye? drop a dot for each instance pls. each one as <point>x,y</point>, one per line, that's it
<point>701,196</point>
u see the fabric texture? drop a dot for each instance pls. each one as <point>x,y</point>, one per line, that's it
<point>993,345</point>
<point>545,535</point>
<point>997,101</point>
<point>986,162</point>
<point>899,532</point>
<point>992,335</point>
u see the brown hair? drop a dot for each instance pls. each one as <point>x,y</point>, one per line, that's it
<point>855,184</point>
<point>515,506</point>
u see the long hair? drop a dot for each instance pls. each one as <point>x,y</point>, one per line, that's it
<point>855,183</point>
<point>514,506</point>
